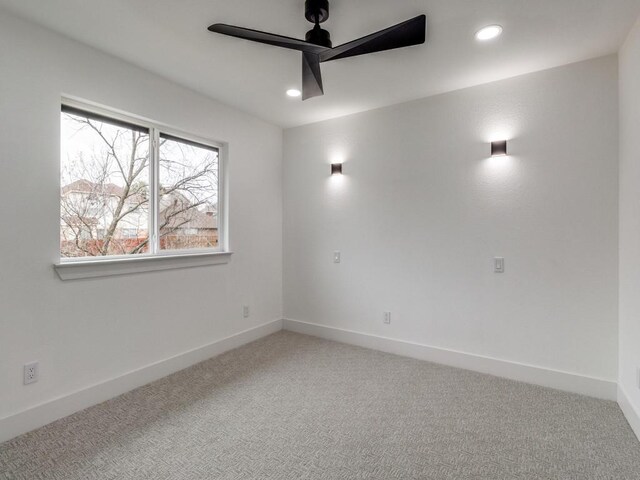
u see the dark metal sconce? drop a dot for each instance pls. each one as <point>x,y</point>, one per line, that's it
<point>498,148</point>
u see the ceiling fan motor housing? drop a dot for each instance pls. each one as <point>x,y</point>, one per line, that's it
<point>318,36</point>
<point>316,11</point>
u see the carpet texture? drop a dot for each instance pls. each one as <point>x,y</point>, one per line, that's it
<point>291,406</point>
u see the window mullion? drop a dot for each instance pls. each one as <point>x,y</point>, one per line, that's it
<point>154,207</point>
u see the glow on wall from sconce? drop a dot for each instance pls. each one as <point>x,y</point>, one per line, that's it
<point>500,168</point>
<point>499,126</point>
<point>494,133</point>
<point>498,183</point>
<point>336,192</point>
<point>500,172</point>
<point>498,135</point>
<point>501,162</point>
<point>336,155</point>
<point>336,183</point>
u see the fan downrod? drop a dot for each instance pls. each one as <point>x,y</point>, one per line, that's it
<point>316,11</point>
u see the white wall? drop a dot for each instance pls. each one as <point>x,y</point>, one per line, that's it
<point>421,211</point>
<point>418,216</point>
<point>86,332</point>
<point>629,364</point>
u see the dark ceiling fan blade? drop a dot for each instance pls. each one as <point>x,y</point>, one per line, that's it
<point>311,76</point>
<point>268,38</point>
<point>405,34</point>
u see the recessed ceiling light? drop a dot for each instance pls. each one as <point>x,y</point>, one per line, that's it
<point>294,92</point>
<point>487,33</point>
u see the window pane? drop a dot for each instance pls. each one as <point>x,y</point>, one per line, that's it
<point>188,177</point>
<point>104,198</point>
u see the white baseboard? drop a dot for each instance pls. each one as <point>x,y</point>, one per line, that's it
<point>571,382</point>
<point>630,412</point>
<point>40,415</point>
<point>60,407</point>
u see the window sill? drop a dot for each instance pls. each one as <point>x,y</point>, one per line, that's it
<point>75,270</point>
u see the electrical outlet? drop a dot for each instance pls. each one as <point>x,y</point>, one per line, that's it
<point>245,311</point>
<point>30,373</point>
<point>387,318</point>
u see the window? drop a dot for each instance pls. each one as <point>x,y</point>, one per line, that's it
<point>188,179</point>
<point>133,188</point>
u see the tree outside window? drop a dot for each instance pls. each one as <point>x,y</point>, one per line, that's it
<point>106,189</point>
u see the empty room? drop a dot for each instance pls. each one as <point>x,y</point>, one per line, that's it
<point>321,239</point>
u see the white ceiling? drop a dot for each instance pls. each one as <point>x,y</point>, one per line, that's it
<point>170,38</point>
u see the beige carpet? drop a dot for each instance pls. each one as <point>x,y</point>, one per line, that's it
<point>296,407</point>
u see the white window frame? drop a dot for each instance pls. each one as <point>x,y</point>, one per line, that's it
<point>156,259</point>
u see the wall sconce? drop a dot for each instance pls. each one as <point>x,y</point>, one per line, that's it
<point>336,169</point>
<point>499,148</point>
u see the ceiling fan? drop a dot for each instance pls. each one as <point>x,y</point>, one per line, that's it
<point>317,48</point>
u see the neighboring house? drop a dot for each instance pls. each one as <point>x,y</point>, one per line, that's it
<point>88,210</point>
<point>182,226</point>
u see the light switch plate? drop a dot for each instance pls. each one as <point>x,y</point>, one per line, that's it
<point>498,265</point>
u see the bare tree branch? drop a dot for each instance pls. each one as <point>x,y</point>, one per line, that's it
<point>118,204</point>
